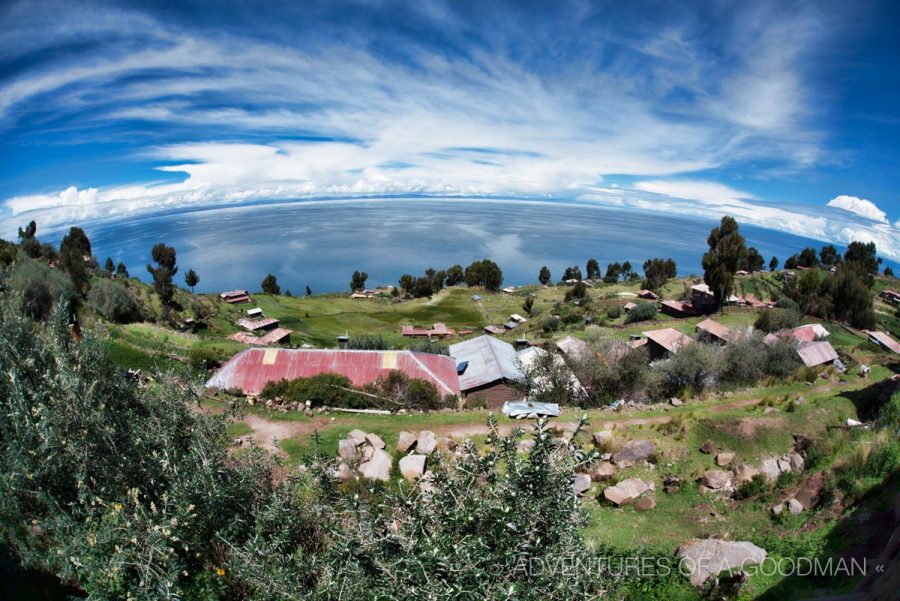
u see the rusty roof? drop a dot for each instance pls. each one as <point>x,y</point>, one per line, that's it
<point>669,338</point>
<point>884,340</point>
<point>489,360</point>
<point>716,329</point>
<point>252,369</point>
<point>257,324</point>
<point>807,333</point>
<point>274,336</point>
<point>816,353</point>
<point>573,347</point>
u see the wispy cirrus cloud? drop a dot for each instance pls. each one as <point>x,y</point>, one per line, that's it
<point>425,98</point>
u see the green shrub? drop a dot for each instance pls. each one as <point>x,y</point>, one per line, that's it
<point>205,357</point>
<point>112,301</point>
<point>695,367</point>
<point>614,312</point>
<point>754,488</point>
<point>550,324</point>
<point>643,312</point>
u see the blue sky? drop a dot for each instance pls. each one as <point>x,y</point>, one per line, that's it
<point>784,114</point>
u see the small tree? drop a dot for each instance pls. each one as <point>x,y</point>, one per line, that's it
<point>754,260</point>
<point>109,266</point>
<point>828,255</point>
<point>627,270</point>
<point>593,269</point>
<point>358,281</point>
<point>773,264</point>
<point>270,285</point>
<point>808,257</point>
<point>726,254</point>
<point>888,272</point>
<point>165,270</point>
<point>612,273</point>
<point>112,300</point>
<point>121,270</point>
<point>73,250</point>
<point>308,290</point>
<point>657,272</point>
<point>191,279</point>
<point>528,305</point>
<point>455,275</point>
<point>544,276</point>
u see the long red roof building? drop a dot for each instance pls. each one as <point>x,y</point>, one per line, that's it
<point>250,370</point>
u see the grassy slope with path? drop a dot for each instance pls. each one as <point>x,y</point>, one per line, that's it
<point>752,422</point>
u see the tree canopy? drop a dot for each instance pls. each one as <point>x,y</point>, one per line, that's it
<point>725,256</point>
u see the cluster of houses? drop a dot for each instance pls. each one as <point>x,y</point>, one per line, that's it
<point>372,293</point>
<point>260,330</point>
<point>234,297</point>
<point>702,301</point>
<point>441,331</point>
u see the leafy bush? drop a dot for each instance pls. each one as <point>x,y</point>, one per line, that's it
<point>551,324</point>
<point>774,320</point>
<point>620,373</point>
<point>614,312</point>
<point>205,357</point>
<point>643,312</point>
<point>41,287</point>
<point>755,487</point>
<point>329,389</point>
<point>694,368</point>
<point>782,359</point>
<point>745,361</point>
<point>367,343</point>
<point>112,301</point>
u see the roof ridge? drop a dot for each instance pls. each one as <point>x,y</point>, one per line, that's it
<point>428,370</point>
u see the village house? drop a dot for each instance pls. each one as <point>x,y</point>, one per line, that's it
<point>233,297</point>
<point>890,296</point>
<point>250,370</point>
<point>255,312</point>
<point>702,298</point>
<point>712,331</point>
<point>488,370</point>
<point>437,330</point>
<point>276,336</point>
<point>573,348</point>
<point>884,341</point>
<point>494,330</point>
<point>812,348</point>
<point>253,325</point>
<point>648,294</point>
<point>629,306</point>
<point>664,342</point>
<point>677,308</point>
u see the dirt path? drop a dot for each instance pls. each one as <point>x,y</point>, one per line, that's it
<point>267,432</point>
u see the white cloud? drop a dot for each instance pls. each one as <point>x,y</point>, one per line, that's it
<point>860,206</point>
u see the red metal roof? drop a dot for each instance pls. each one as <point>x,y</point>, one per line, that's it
<point>715,328</point>
<point>250,370</point>
<point>669,338</point>
<point>257,324</point>
<point>816,353</point>
<point>884,340</point>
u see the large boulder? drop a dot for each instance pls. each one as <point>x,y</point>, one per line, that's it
<point>347,449</point>
<point>602,472</point>
<point>704,558</point>
<point>744,473</point>
<point>716,479</point>
<point>796,461</point>
<point>603,437</point>
<point>634,450</point>
<point>769,468</point>
<point>378,467</point>
<point>784,466</point>
<point>723,459</point>
<point>406,441</point>
<point>581,484</point>
<point>645,503</point>
<point>412,467</point>
<point>794,506</point>
<point>358,435</point>
<point>343,473</point>
<point>626,491</point>
<point>426,443</point>
<point>375,441</point>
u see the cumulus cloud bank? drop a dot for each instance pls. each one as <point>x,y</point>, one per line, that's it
<point>860,206</point>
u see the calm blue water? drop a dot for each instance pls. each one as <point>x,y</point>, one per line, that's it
<point>321,244</point>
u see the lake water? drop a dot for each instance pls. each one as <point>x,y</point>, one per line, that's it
<point>320,244</point>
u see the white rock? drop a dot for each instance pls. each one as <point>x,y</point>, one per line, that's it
<point>705,558</point>
<point>412,467</point>
<point>770,469</point>
<point>602,472</point>
<point>375,441</point>
<point>626,491</point>
<point>723,459</point>
<point>358,435</point>
<point>778,509</point>
<point>603,437</point>
<point>582,484</point>
<point>426,442</point>
<point>716,479</point>
<point>794,506</point>
<point>784,466</point>
<point>378,467</point>
<point>796,461</point>
<point>405,441</point>
<point>743,473</point>
<point>347,449</point>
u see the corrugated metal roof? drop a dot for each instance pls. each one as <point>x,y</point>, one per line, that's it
<point>250,370</point>
<point>716,329</point>
<point>807,333</point>
<point>274,336</point>
<point>884,340</point>
<point>489,360</point>
<point>816,353</point>
<point>257,324</point>
<point>669,338</point>
<point>572,347</point>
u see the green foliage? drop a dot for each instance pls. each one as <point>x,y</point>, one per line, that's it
<point>73,249</point>
<point>613,271</point>
<point>828,255</point>
<point>773,264</point>
<point>205,358</point>
<point>578,291</point>
<point>572,273</point>
<point>808,258</point>
<point>367,343</point>
<point>165,270</point>
<point>754,488</point>
<point>455,275</point>
<point>864,255</point>
<point>191,279</point>
<point>694,368</point>
<point>270,285</point>
<point>774,320</point>
<point>329,389</point>
<point>41,288</point>
<point>592,270</point>
<point>109,266</point>
<point>121,270</point>
<point>484,273</point>
<point>551,323</point>
<point>727,252</point>
<point>617,372</point>
<point>7,253</point>
<point>358,281</point>
<point>642,312</point>
<point>112,301</point>
<point>528,304</point>
<point>657,272</point>
<point>614,312</point>
<point>544,276</point>
<point>753,261</point>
